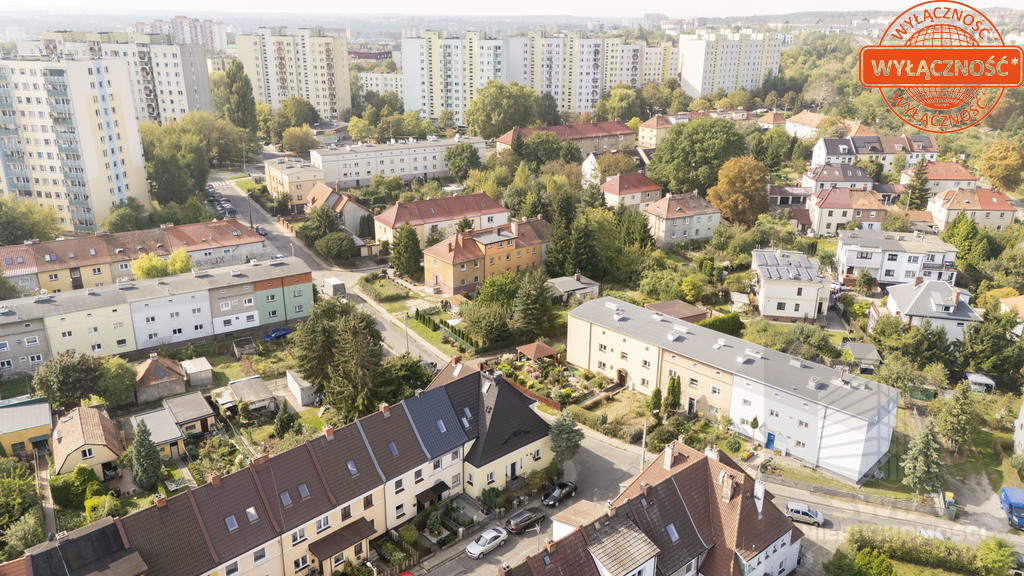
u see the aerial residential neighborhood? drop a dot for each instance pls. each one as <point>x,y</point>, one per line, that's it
<point>505,290</point>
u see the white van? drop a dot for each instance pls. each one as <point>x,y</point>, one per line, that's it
<point>801,512</point>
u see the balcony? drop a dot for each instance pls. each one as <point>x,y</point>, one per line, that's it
<point>80,203</point>
<point>72,163</point>
<point>937,265</point>
<point>60,107</point>
<point>65,149</point>
<point>76,188</point>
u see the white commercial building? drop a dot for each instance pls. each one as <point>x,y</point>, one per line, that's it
<point>710,60</point>
<point>168,80</point>
<point>894,257</point>
<point>789,286</point>
<point>350,166</point>
<point>69,138</point>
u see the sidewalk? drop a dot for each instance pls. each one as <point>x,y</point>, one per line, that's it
<point>186,473</point>
<point>43,480</point>
<point>441,358</point>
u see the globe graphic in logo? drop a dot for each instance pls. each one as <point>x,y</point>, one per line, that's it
<point>942,97</point>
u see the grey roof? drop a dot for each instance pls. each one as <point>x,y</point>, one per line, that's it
<point>839,173</point>
<point>380,431</point>
<point>22,413</point>
<point>162,427</point>
<point>895,241</point>
<point>188,407</point>
<point>196,365</point>
<point>653,512</point>
<point>429,411</point>
<point>400,145</point>
<point>252,389</point>
<point>95,549</point>
<point>921,300</point>
<point>786,266</point>
<point>832,146</point>
<point>862,350</point>
<point>496,235</point>
<point>853,395</point>
<point>571,284</point>
<point>620,546</point>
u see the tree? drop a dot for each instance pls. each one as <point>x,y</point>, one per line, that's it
<point>355,387</point>
<point>566,437</point>
<point>179,262</point>
<point>895,221</point>
<point>240,109</point>
<point>21,534</point>
<point>500,107</point>
<point>66,378</point>
<point>22,220</point>
<point>293,112</point>
<point>995,557</point>
<point>547,110</point>
<point>17,496</point>
<point>900,372</point>
<point>865,281</point>
<point>873,167</point>
<point>917,192</point>
<point>899,163</point>
<point>177,160</point>
<point>989,349</point>
<point>299,139</point>
<point>117,381</point>
<point>618,104</point>
<point>532,310</point>
<point>655,405</point>
<point>7,288</point>
<point>320,221</point>
<point>610,165</point>
<point>582,253</point>
<point>149,265</point>
<point>772,148</point>
<point>460,159</point>
<point>145,458</point>
<point>127,216</point>
<point>958,416</point>
<point>871,562</point>
<point>283,422</point>
<point>692,154</point>
<point>464,225</point>
<point>832,127</point>
<point>1002,164</point>
<point>314,343</point>
<point>741,193</point>
<point>335,246</point>
<point>446,121</point>
<point>434,236</point>
<point>673,395</point>
<point>922,464</point>
<point>406,254</point>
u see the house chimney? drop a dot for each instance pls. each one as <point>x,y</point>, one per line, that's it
<point>260,460</point>
<point>728,487</point>
<point>503,568</point>
<point>215,479</point>
<point>418,392</point>
<point>611,509</point>
<point>385,409</point>
<point>451,247</point>
<point>918,280</point>
<point>759,496</point>
<point>711,452</point>
<point>456,360</point>
<point>159,500</point>
<point>577,276</point>
<point>329,432</point>
<point>670,451</point>
<point>643,487</point>
<point>549,545</point>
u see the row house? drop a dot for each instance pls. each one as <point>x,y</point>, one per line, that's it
<point>894,257</point>
<point>943,176</point>
<point>103,259</point>
<point>460,262</point>
<point>837,175</point>
<point>681,218</point>
<point>312,508</point>
<point>789,286</point>
<point>444,214</point>
<point>990,209</point>
<point>355,165</point>
<point>592,138</point>
<point>145,314</point>
<point>822,416</point>
<point>833,208</point>
<point>884,149</point>
<point>804,125</point>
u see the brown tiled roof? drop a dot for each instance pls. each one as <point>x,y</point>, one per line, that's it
<point>678,309</point>
<point>463,247</point>
<point>943,171</point>
<point>287,473</point>
<point>151,372</point>
<point>680,206</point>
<point>772,118</point>
<point>334,455</point>
<point>661,506</point>
<point>19,567</point>
<point>621,184</point>
<point>440,209</point>
<point>580,513</point>
<point>217,234</point>
<point>456,248</point>
<point>83,427</point>
<point>127,246</point>
<point>658,121</point>
<point>570,557</point>
<point>807,118</point>
<point>322,194</point>
<point>451,372</point>
<point>22,257</point>
<point>379,432</point>
<point>236,493</point>
<point>342,539</point>
<point>169,538</point>
<point>1015,303</point>
<point>571,131</point>
<point>70,253</point>
<point>974,199</point>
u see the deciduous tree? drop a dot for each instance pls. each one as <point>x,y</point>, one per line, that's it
<point>299,139</point>
<point>741,193</point>
<point>1002,164</point>
<point>335,246</point>
<point>320,221</point>
<point>117,381</point>
<point>500,107</point>
<point>461,158</point>
<point>610,165</point>
<point>127,216</point>
<point>67,378</point>
<point>620,103</point>
<point>692,154</point>
<point>995,557</point>
<point>895,221</point>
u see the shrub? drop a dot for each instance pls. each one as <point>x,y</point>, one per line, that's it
<point>434,523</point>
<point>492,497</point>
<point>731,444</point>
<point>914,548</point>
<point>727,324</point>
<point>660,437</point>
<point>408,534</point>
<point>71,490</point>
<point>420,521</point>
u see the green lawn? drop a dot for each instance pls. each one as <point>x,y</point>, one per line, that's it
<point>14,387</point>
<point>905,569</point>
<point>225,369</point>
<point>246,184</point>
<point>628,406</point>
<point>433,337</point>
<point>309,419</point>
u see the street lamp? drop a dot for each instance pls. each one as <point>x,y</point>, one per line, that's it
<point>643,443</point>
<point>406,332</point>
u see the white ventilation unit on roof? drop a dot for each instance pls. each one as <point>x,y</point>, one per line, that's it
<point>719,344</point>
<point>753,353</point>
<point>236,272</point>
<point>658,316</point>
<point>797,362</point>
<point>680,328</point>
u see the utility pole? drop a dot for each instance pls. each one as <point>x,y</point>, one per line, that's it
<point>643,444</point>
<point>248,199</point>
<point>407,332</point>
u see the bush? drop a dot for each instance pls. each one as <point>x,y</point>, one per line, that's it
<point>731,444</point>
<point>492,497</point>
<point>727,324</point>
<point>408,534</point>
<point>434,524</point>
<point>660,437</point>
<point>72,490</point>
<point>914,548</point>
<point>420,521</point>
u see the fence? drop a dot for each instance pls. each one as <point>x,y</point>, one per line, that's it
<point>909,505</point>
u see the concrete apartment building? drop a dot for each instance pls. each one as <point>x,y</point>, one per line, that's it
<point>292,178</point>
<point>789,286</point>
<point>169,79</point>
<point>943,176</point>
<point>593,138</point>
<point>895,257</point>
<point>306,62</point>
<point>441,214</point>
<point>823,417</point>
<point>381,82</point>
<point>212,36</point>
<point>709,60</point>
<point>988,208</point>
<point>218,63</point>
<point>70,139</point>
<point>355,165</point>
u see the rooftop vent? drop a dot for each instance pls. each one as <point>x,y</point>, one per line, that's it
<point>658,316</point>
<point>719,344</point>
<point>236,272</point>
<point>797,362</point>
<point>753,353</point>
<point>815,383</point>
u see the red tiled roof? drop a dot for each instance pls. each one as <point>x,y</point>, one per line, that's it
<point>571,131</point>
<point>334,199</point>
<point>462,247</point>
<point>771,118</point>
<point>679,206</point>
<point>570,557</point>
<point>440,210</point>
<point>806,118</point>
<point>219,234</point>
<point>944,171</point>
<point>839,198</point>
<point>659,121</point>
<point>622,184</point>
<point>22,257</point>
<point>974,199</point>
<point>83,427</point>
<point>70,252</point>
<point>152,371</point>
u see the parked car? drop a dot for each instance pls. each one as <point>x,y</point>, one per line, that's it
<point>261,230</point>
<point>276,333</point>
<point>486,542</point>
<point>561,492</point>
<point>801,512</point>
<point>522,520</point>
<point>1012,501</point>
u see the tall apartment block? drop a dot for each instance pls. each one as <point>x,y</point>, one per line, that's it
<point>210,35</point>
<point>728,60</point>
<point>168,80</point>
<point>307,62</point>
<point>441,73</point>
<point>69,138</point>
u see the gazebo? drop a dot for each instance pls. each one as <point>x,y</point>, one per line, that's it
<point>536,351</point>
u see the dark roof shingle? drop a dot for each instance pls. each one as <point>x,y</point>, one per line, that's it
<point>382,431</point>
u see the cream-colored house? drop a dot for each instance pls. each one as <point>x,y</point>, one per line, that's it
<point>85,436</point>
<point>291,177</point>
<point>789,286</point>
<point>681,218</point>
<point>988,208</point>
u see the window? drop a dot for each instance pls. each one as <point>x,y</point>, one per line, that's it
<point>301,563</point>
<point>456,480</point>
<point>672,373</point>
<point>346,513</point>
<point>602,347</point>
<point>298,536</point>
<point>198,327</point>
<point>66,334</point>
<point>303,491</point>
<point>780,306</point>
<point>399,510</point>
<point>176,331</point>
<point>864,255</point>
<point>646,363</point>
<point>490,478</point>
<point>32,341</point>
<point>259,556</point>
<point>601,365</point>
<point>231,569</point>
<point>368,501</point>
<point>744,422</point>
<point>247,302</point>
<point>399,485</point>
<point>53,277</point>
<point>800,444</point>
<point>35,359</point>
<point>231,523</point>
<point>469,479</point>
<point>352,470</point>
<point>799,291</point>
<point>323,523</point>
<point>227,322</point>
<point>440,426</point>
<point>223,306</point>
<point>339,560</point>
<point>455,456</point>
<point>802,424</point>
<point>251,514</point>
<point>286,499</point>
<point>536,454</point>
<point>97,347</point>
<point>774,413</point>
<point>417,476</point>
<point>693,382</point>
<point>672,534</point>
<point>716,391</point>
<point>624,355</point>
<point>359,545</point>
<point>272,298</point>
<point>298,309</point>
<point>437,465</point>
<point>87,453</point>
<point>746,402</point>
<point>892,257</point>
<point>297,293</point>
<point>393,448</point>
<point>122,342</point>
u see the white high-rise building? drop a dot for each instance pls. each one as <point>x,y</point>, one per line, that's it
<point>168,80</point>
<point>211,35</point>
<point>728,60</point>
<point>69,138</point>
<point>381,82</point>
<point>306,62</point>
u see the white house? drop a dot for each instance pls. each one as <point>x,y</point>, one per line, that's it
<point>837,175</point>
<point>943,176</point>
<point>895,257</point>
<point>635,190</point>
<point>680,218</point>
<point>988,208</point>
<point>1018,432</point>
<point>170,318</point>
<point>789,286</point>
<point>933,301</point>
<point>832,208</point>
<point>866,147</point>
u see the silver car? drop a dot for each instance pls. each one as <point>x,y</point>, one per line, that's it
<point>486,542</point>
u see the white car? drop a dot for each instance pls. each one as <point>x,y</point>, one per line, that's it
<point>801,512</point>
<point>486,542</point>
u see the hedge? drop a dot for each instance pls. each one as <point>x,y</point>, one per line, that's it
<point>914,548</point>
<point>727,324</point>
<point>72,490</point>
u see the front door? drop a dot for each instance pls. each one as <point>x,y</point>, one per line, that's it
<point>691,406</point>
<point>513,469</point>
<point>174,451</point>
<point>770,442</point>
<point>622,378</point>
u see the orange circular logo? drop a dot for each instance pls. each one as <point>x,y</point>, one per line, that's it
<point>941,66</point>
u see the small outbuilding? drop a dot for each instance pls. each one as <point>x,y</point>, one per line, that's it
<point>252,390</point>
<point>192,413</point>
<point>536,351</point>
<point>679,310</point>
<point>576,285</point>
<point>158,378</point>
<point>978,382</point>
<point>303,392</point>
<point>198,372</point>
<point>865,355</point>
<point>163,431</point>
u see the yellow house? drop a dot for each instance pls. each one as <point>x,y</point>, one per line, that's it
<point>72,263</point>
<point>25,425</point>
<point>163,431</point>
<point>85,436</point>
<point>100,324</point>
<point>290,177</point>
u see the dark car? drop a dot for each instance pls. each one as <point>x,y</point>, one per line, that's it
<point>562,491</point>
<point>261,230</point>
<point>276,333</point>
<point>522,520</point>
<point>1018,560</point>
